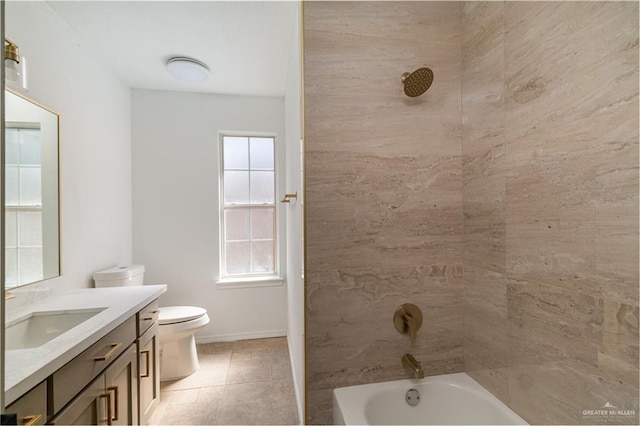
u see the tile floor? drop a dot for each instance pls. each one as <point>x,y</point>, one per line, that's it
<point>241,383</point>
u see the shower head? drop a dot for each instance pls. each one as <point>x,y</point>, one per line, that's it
<point>417,82</point>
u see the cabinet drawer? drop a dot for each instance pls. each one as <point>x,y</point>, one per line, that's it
<point>148,316</point>
<point>31,408</point>
<point>74,376</point>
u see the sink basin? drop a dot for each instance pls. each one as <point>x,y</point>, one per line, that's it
<point>41,327</point>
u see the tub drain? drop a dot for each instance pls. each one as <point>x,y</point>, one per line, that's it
<point>412,397</point>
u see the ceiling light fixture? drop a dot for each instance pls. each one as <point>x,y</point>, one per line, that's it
<point>187,69</point>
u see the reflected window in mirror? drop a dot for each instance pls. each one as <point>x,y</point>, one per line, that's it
<point>31,192</point>
<point>23,197</point>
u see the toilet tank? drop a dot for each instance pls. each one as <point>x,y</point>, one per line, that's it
<point>120,276</point>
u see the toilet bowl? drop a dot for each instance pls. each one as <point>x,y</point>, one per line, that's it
<point>177,324</point>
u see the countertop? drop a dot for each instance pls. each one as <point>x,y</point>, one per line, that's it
<point>25,368</point>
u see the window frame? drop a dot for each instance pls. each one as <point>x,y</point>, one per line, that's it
<point>250,279</point>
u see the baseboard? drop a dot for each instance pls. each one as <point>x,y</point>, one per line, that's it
<point>296,389</point>
<point>212,338</point>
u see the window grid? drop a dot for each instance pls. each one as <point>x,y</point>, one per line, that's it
<point>15,247</point>
<point>250,207</point>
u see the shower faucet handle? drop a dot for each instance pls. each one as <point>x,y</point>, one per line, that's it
<point>407,319</point>
<point>410,326</point>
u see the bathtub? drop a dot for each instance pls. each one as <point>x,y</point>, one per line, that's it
<point>450,399</point>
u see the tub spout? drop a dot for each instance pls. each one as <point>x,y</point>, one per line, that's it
<point>408,361</point>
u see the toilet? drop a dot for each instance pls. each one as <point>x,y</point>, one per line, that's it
<point>177,324</point>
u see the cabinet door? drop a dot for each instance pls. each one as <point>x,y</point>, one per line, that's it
<point>149,372</point>
<point>122,386</point>
<point>88,408</point>
<point>31,408</point>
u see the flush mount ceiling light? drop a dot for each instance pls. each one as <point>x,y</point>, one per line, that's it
<point>187,69</point>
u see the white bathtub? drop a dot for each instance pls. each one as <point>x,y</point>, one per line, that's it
<point>450,399</point>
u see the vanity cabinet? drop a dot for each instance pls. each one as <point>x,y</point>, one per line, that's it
<point>31,408</point>
<point>115,381</point>
<point>111,399</point>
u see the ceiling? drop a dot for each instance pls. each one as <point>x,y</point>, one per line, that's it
<point>246,45</point>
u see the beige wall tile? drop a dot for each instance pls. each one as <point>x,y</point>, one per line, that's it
<point>484,170</point>
<point>560,204</point>
<point>383,200</point>
<point>504,201</point>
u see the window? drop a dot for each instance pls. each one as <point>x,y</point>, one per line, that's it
<point>249,246</point>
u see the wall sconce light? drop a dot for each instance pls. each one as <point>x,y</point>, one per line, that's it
<point>15,66</point>
<point>12,66</point>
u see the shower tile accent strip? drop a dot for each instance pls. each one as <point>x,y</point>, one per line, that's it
<point>243,382</point>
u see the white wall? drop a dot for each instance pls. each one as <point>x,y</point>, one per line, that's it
<point>95,146</point>
<point>294,214</point>
<point>175,207</point>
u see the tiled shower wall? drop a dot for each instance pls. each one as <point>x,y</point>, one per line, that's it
<point>547,312</point>
<point>383,200</point>
<point>550,200</point>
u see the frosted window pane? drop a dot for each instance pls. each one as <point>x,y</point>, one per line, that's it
<point>30,226</point>
<point>236,187</point>
<point>11,266</point>
<point>30,266</point>
<point>12,196</point>
<point>261,153</point>
<point>236,153</point>
<point>238,256</point>
<point>262,256</point>
<point>11,229</point>
<point>262,187</point>
<point>30,186</point>
<point>30,150</point>
<point>262,224</point>
<point>12,148</point>
<point>236,224</point>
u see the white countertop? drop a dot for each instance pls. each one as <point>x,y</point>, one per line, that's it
<point>25,368</point>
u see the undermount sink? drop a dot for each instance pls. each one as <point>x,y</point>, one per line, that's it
<point>41,327</point>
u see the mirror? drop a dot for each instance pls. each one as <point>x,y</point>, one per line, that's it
<point>32,240</point>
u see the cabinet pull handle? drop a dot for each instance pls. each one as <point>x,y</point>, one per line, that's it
<point>152,315</point>
<point>115,402</point>
<point>147,356</point>
<point>31,420</point>
<point>108,396</point>
<point>114,349</point>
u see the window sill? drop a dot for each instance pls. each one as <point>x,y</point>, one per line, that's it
<point>249,282</point>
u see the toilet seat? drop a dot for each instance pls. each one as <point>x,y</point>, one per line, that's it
<point>178,314</point>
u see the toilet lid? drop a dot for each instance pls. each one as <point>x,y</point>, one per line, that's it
<point>175,314</point>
